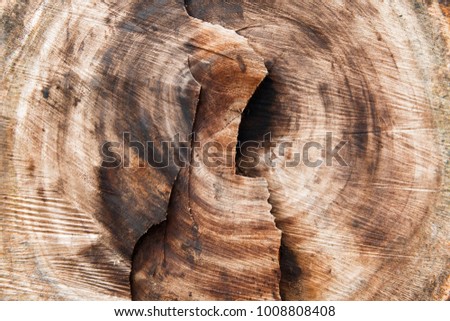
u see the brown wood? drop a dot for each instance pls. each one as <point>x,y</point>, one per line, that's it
<point>220,240</point>
<point>77,74</point>
<point>357,231</point>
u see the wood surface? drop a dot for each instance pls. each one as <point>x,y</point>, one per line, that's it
<point>373,75</point>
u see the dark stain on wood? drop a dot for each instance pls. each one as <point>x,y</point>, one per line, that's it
<point>291,272</point>
<point>241,63</point>
<point>231,12</point>
<point>46,92</point>
<point>326,99</point>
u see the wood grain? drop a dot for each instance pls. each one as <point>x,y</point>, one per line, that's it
<point>78,74</point>
<point>69,226</point>
<point>220,241</point>
<point>359,231</point>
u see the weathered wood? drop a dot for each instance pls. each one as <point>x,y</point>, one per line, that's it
<point>77,74</point>
<point>84,73</point>
<point>356,70</point>
<point>220,240</point>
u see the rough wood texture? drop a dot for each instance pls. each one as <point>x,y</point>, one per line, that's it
<point>220,240</point>
<point>355,232</point>
<point>77,74</point>
<point>69,226</point>
<point>361,231</point>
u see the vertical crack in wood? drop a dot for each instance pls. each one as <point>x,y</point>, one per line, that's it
<point>155,231</point>
<point>191,262</point>
<point>254,125</point>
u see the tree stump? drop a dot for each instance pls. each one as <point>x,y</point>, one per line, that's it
<point>238,150</point>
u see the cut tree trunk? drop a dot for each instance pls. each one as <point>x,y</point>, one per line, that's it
<point>97,95</point>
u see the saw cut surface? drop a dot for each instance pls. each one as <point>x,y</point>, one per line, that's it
<point>224,150</point>
<point>220,241</point>
<point>346,73</point>
<point>85,73</point>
